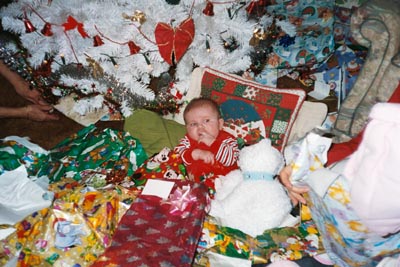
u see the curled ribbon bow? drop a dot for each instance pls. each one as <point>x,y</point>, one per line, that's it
<point>180,200</point>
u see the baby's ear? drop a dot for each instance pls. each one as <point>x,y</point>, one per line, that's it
<point>220,123</point>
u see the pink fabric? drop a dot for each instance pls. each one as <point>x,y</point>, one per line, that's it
<point>340,151</point>
<point>373,171</point>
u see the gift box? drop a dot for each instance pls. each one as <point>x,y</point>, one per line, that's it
<point>159,232</point>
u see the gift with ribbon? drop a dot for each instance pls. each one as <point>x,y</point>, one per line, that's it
<point>156,230</point>
<point>181,201</point>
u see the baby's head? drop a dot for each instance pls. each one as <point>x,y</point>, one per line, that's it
<point>202,119</point>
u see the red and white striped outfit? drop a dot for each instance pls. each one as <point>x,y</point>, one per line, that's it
<point>225,149</point>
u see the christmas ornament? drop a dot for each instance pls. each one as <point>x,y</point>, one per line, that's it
<point>256,8</point>
<point>258,35</point>
<point>173,43</point>
<point>97,41</point>
<point>251,6</point>
<point>72,24</point>
<point>29,26</point>
<point>133,48</point>
<point>138,16</point>
<point>97,70</point>
<point>46,31</point>
<point>209,9</point>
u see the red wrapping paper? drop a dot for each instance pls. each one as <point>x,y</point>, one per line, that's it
<point>157,232</point>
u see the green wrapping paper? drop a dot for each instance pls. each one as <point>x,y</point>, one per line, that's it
<point>87,153</point>
<point>15,152</point>
<point>94,151</point>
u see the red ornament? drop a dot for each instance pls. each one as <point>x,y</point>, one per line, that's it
<point>46,31</point>
<point>173,43</point>
<point>133,48</point>
<point>256,7</point>
<point>209,9</point>
<point>97,41</point>
<point>251,6</point>
<point>29,26</point>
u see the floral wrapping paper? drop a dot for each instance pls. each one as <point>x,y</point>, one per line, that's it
<point>74,231</point>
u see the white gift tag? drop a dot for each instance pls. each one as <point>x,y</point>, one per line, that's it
<point>158,188</point>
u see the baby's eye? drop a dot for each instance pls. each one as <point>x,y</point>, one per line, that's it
<point>206,121</point>
<point>193,124</point>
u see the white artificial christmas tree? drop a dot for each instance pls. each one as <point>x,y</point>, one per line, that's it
<point>110,47</point>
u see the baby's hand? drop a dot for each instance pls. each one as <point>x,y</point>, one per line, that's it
<point>203,155</point>
<point>206,139</point>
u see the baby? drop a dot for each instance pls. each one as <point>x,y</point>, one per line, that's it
<point>206,150</point>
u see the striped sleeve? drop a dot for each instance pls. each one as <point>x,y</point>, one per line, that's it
<point>184,144</point>
<point>228,152</point>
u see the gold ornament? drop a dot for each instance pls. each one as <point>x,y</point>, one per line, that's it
<point>138,16</point>
<point>97,70</point>
<point>258,35</point>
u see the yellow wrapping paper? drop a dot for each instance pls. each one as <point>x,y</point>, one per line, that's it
<point>72,232</point>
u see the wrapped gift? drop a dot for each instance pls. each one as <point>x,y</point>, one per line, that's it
<point>159,232</point>
<point>283,243</point>
<point>74,231</point>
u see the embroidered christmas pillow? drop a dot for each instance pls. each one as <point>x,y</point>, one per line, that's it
<point>250,102</point>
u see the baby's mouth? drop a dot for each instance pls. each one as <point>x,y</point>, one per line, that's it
<point>201,137</point>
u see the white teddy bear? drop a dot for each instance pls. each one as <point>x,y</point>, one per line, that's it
<point>250,199</point>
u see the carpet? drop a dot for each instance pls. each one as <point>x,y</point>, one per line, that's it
<point>45,134</point>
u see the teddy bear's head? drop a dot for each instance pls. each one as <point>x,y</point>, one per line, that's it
<point>260,160</point>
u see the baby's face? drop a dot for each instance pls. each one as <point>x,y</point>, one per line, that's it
<point>203,124</point>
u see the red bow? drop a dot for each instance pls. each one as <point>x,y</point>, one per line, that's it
<point>173,42</point>
<point>72,24</point>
